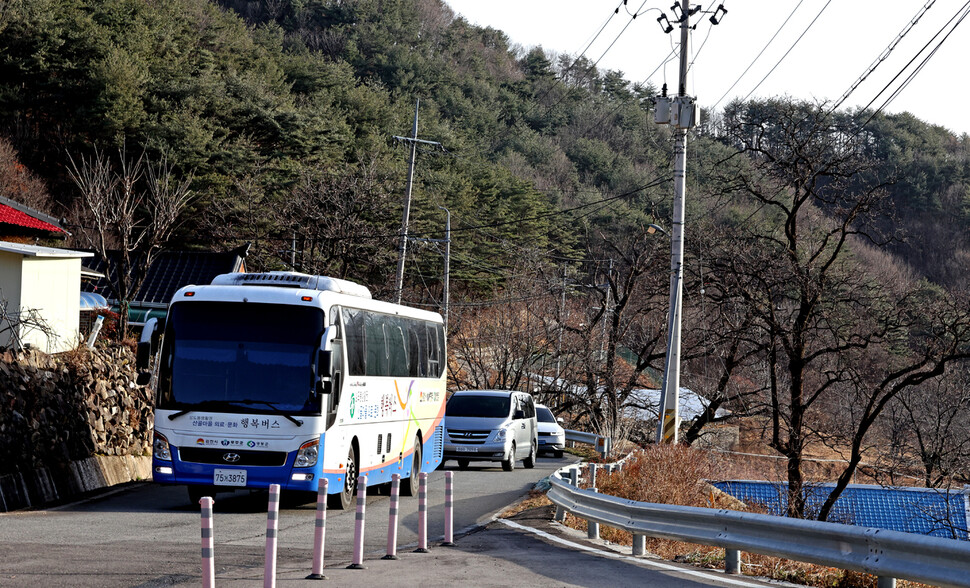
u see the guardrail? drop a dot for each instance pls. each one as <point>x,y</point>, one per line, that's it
<point>602,444</point>
<point>885,554</point>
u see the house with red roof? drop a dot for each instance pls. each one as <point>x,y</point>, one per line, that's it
<point>22,224</point>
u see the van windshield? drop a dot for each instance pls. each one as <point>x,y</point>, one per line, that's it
<point>478,406</point>
<point>545,415</point>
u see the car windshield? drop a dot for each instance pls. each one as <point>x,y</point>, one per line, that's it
<point>234,354</point>
<point>467,405</point>
<point>544,415</point>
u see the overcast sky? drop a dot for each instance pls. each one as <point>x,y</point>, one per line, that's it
<point>847,37</point>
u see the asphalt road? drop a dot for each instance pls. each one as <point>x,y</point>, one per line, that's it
<point>145,534</point>
<point>149,536</point>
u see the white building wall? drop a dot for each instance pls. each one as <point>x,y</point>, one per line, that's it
<point>52,287</point>
<point>10,272</point>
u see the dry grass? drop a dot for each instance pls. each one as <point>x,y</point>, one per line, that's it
<point>676,475</point>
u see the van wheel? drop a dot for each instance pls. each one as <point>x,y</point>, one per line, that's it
<point>343,499</point>
<point>557,453</point>
<point>508,464</point>
<point>530,461</point>
<point>463,464</point>
<point>412,487</point>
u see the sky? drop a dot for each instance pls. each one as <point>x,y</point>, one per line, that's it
<point>846,39</point>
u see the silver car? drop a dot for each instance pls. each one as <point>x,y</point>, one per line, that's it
<point>552,437</point>
<point>491,425</point>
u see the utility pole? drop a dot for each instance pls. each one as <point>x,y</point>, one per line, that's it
<point>682,114</point>
<point>402,248</point>
<point>447,273</point>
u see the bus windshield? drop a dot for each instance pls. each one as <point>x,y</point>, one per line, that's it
<point>240,357</point>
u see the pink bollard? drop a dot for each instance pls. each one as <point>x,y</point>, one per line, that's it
<point>449,510</point>
<point>358,563</point>
<point>392,518</point>
<point>319,531</point>
<point>208,562</point>
<point>422,513</point>
<point>272,524</point>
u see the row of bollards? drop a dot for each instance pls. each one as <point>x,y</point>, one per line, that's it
<point>320,526</point>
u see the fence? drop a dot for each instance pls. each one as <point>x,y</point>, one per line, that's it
<point>885,554</point>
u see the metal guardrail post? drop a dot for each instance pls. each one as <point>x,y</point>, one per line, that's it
<point>883,582</point>
<point>592,527</point>
<point>732,561</point>
<point>592,476</point>
<point>639,545</point>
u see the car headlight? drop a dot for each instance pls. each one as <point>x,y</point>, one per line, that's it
<point>501,434</point>
<point>160,447</point>
<point>307,455</point>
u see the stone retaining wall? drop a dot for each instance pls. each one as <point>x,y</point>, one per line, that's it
<point>70,423</point>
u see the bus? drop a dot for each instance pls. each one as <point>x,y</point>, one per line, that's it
<point>286,378</point>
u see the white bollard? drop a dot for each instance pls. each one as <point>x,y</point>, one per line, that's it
<point>449,509</point>
<point>358,563</point>
<point>208,561</point>
<point>392,518</point>
<point>319,531</point>
<point>272,524</point>
<point>422,513</point>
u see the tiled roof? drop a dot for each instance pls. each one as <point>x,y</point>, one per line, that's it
<point>926,511</point>
<point>12,216</point>
<point>171,270</point>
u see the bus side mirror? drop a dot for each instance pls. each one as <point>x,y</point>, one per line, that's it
<point>146,344</point>
<point>324,366</point>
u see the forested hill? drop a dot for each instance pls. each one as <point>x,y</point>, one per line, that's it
<point>283,113</point>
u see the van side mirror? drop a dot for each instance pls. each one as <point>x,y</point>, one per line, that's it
<point>560,421</point>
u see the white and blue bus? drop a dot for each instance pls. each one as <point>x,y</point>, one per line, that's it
<point>284,378</point>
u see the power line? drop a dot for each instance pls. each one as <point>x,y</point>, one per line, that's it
<point>919,68</point>
<point>814,20</point>
<point>763,49</point>
<point>884,55</point>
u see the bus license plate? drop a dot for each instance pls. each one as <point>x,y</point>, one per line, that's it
<point>229,477</point>
<point>465,449</point>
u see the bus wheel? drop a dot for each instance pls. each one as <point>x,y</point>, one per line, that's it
<point>343,499</point>
<point>411,488</point>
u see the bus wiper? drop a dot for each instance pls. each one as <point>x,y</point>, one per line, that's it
<point>296,422</point>
<point>199,406</point>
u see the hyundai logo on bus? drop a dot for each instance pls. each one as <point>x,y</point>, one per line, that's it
<point>231,457</point>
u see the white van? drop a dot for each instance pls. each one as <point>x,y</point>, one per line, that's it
<point>491,425</point>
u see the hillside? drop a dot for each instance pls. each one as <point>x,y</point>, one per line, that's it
<point>826,252</point>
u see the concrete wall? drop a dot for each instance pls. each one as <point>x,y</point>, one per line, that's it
<point>45,486</point>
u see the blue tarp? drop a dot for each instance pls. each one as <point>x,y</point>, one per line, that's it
<point>926,511</point>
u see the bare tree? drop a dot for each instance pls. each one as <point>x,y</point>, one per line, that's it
<point>130,206</point>
<point>832,335</point>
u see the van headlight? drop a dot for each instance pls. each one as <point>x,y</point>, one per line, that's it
<point>160,447</point>
<point>502,434</point>
<point>307,455</point>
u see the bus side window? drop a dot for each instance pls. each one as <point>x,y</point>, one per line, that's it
<point>376,363</point>
<point>434,351</point>
<point>397,345</point>
<point>354,340</point>
<point>414,350</point>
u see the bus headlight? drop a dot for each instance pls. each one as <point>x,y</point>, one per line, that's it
<point>307,455</point>
<point>160,448</point>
